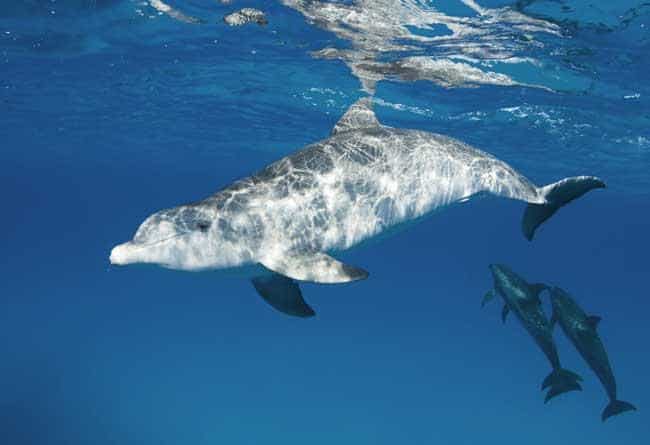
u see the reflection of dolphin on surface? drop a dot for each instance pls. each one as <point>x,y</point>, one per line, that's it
<point>522,299</point>
<point>164,8</point>
<point>582,331</point>
<point>246,15</point>
<point>379,45</point>
<point>362,180</point>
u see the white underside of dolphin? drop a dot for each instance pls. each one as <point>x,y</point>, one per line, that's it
<point>363,180</point>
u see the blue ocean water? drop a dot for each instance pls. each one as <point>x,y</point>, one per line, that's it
<point>112,110</point>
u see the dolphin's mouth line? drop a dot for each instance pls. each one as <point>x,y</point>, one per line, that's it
<point>123,254</point>
<point>164,240</point>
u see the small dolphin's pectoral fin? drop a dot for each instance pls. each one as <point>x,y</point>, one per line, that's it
<point>593,321</point>
<point>504,312</point>
<point>489,296</point>
<point>359,115</point>
<point>283,294</point>
<point>316,267</point>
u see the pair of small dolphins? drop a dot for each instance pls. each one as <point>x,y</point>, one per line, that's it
<point>522,298</point>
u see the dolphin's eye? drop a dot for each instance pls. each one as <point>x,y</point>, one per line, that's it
<point>203,226</point>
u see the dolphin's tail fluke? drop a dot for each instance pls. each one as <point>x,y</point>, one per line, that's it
<point>616,407</point>
<point>556,195</point>
<point>561,381</point>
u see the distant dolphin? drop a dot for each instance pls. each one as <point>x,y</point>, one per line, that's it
<point>581,330</point>
<point>522,298</point>
<point>362,180</point>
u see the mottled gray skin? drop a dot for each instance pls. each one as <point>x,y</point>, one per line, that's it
<point>362,180</point>
<point>428,171</point>
<point>522,299</point>
<point>281,225</point>
<point>584,336</point>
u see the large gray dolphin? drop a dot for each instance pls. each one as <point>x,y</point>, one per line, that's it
<point>522,298</point>
<point>582,331</point>
<point>361,181</point>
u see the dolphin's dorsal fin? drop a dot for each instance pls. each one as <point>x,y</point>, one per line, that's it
<point>359,115</point>
<point>593,321</point>
<point>538,288</point>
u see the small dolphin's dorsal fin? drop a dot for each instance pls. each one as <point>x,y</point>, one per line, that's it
<point>593,321</point>
<point>316,267</point>
<point>489,296</point>
<point>283,294</point>
<point>359,115</point>
<point>504,312</point>
<point>538,288</point>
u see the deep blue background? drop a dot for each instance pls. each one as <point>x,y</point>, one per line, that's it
<point>96,136</point>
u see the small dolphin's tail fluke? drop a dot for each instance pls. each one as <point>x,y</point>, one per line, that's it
<point>561,381</point>
<point>557,195</point>
<point>616,407</point>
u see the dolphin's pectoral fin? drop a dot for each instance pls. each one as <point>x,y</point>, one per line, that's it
<point>283,294</point>
<point>504,312</point>
<point>489,296</point>
<point>316,267</point>
<point>359,115</point>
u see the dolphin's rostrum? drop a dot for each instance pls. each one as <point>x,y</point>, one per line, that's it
<point>362,180</point>
<point>522,298</point>
<point>582,331</point>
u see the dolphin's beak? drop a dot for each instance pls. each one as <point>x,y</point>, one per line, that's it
<point>120,254</point>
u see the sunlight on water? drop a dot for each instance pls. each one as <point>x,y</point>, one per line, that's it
<point>168,132</point>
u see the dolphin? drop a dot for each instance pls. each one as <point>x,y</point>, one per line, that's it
<point>582,331</point>
<point>283,223</point>
<point>523,300</point>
